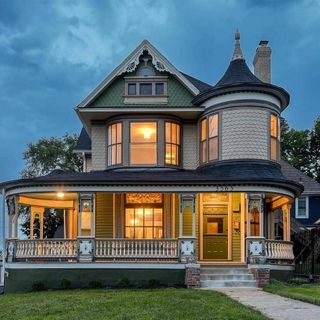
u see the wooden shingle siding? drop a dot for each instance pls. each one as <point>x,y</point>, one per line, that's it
<point>104,215</point>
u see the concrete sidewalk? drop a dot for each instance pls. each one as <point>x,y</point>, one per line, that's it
<point>272,305</point>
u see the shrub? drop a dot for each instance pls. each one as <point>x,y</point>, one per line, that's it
<point>154,283</point>
<point>298,281</point>
<point>95,285</point>
<point>123,282</point>
<point>65,284</point>
<point>38,286</point>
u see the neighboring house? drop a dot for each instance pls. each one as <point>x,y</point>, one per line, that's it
<point>180,177</point>
<point>306,208</point>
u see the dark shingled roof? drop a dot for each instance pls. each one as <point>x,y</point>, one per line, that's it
<point>295,174</point>
<point>84,142</point>
<point>233,172</point>
<point>200,85</point>
<point>237,72</point>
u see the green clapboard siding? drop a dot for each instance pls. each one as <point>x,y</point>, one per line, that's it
<point>104,215</point>
<point>113,96</point>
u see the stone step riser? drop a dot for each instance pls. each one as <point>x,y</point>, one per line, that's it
<point>224,271</point>
<point>228,284</point>
<point>238,277</point>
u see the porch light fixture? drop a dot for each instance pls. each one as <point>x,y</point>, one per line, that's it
<point>60,195</point>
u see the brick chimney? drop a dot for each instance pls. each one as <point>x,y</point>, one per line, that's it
<point>262,62</point>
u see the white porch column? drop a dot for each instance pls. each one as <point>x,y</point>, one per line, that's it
<point>187,244</point>
<point>86,227</point>
<point>256,252</point>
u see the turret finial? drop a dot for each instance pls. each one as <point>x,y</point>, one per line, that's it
<point>237,53</point>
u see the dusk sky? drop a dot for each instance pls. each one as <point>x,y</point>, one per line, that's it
<point>53,53</point>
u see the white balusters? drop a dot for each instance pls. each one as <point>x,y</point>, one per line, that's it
<point>136,249</point>
<point>278,249</point>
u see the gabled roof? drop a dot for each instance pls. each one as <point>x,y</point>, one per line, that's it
<point>202,86</point>
<point>310,186</point>
<point>160,62</point>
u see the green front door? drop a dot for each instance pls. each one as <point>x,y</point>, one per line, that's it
<point>215,232</point>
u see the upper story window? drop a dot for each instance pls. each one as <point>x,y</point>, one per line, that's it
<point>302,208</point>
<point>146,71</point>
<point>145,89</point>
<point>209,138</point>
<point>172,137</point>
<point>114,144</point>
<point>274,136</point>
<point>143,143</point>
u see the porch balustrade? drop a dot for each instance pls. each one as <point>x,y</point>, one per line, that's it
<point>46,249</point>
<point>279,250</point>
<point>136,249</point>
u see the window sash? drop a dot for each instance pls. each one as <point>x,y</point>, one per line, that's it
<point>114,147</point>
<point>302,207</point>
<point>172,144</point>
<point>209,138</point>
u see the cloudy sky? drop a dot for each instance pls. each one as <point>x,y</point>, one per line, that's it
<point>53,53</point>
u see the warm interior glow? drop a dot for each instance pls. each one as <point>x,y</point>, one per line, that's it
<point>147,132</point>
<point>60,194</point>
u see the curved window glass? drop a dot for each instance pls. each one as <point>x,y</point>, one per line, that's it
<point>209,138</point>
<point>115,144</point>
<point>274,136</point>
<point>172,133</point>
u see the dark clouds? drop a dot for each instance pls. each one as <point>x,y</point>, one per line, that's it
<point>52,53</point>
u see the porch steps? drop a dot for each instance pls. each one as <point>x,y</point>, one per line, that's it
<point>226,277</point>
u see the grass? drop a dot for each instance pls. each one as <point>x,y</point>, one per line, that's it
<point>304,292</point>
<point>123,304</point>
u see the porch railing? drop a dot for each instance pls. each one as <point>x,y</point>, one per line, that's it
<point>279,250</point>
<point>136,249</point>
<point>46,249</point>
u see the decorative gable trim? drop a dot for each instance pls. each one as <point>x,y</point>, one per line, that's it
<point>130,64</point>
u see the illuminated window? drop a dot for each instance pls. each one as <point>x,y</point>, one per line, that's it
<point>209,139</point>
<point>143,143</point>
<point>274,136</point>
<point>144,216</point>
<point>172,143</point>
<point>203,140</point>
<point>115,144</point>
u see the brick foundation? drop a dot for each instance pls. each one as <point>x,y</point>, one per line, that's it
<point>262,275</point>
<point>192,277</point>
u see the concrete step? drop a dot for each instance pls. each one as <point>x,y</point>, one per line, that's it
<point>211,270</point>
<point>228,284</point>
<point>239,277</point>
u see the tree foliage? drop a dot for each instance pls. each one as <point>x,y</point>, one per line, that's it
<point>301,148</point>
<point>51,153</point>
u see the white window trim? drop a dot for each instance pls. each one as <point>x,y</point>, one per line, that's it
<point>297,209</point>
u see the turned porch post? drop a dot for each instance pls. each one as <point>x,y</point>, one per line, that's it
<point>187,243</point>
<point>286,210</point>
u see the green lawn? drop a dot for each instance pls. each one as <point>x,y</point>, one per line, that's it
<point>305,292</point>
<point>123,304</point>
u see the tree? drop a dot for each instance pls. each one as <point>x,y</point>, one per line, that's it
<point>41,158</point>
<point>51,153</point>
<point>315,149</point>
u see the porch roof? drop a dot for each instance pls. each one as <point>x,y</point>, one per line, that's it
<point>222,173</point>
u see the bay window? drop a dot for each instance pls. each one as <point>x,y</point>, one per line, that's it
<point>274,137</point>
<point>172,148</point>
<point>209,138</point>
<point>143,143</point>
<point>115,144</point>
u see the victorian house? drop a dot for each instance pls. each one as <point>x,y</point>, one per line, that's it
<point>182,183</point>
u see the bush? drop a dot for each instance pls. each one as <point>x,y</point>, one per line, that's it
<point>38,286</point>
<point>65,284</point>
<point>95,285</point>
<point>124,282</point>
<point>154,283</point>
<point>298,281</point>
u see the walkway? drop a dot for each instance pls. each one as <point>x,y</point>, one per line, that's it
<point>272,305</point>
